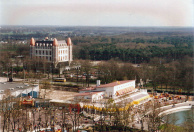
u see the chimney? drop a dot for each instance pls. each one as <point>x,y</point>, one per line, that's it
<point>98,83</point>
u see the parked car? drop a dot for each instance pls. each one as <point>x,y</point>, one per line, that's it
<point>19,87</point>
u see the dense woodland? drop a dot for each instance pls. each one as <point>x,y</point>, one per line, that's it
<point>132,48</point>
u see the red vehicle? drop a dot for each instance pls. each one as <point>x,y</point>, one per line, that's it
<point>27,101</point>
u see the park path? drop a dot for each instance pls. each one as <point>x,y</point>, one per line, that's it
<point>176,107</point>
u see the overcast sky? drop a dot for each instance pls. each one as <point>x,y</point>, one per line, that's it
<point>97,12</point>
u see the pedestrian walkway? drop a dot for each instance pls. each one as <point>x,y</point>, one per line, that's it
<point>176,107</point>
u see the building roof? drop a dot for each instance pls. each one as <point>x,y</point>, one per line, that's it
<point>87,89</point>
<point>114,84</point>
<point>88,93</point>
<point>62,42</point>
<point>138,96</point>
<point>45,41</point>
<point>55,42</point>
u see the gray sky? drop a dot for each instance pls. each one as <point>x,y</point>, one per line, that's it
<point>97,12</point>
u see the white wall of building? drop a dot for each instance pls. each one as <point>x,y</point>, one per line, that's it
<point>112,90</point>
<point>97,96</point>
<point>123,86</point>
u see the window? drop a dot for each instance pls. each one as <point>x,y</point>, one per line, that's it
<point>39,52</point>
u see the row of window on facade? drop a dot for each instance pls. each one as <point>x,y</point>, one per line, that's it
<point>44,47</point>
<point>124,86</point>
<point>43,52</point>
<point>43,57</point>
<point>47,45</point>
<point>62,52</point>
<point>40,44</point>
<point>62,58</point>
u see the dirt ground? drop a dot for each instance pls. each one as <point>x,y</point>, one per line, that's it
<point>57,94</point>
<point>3,79</point>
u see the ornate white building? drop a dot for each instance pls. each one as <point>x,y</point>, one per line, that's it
<point>52,50</point>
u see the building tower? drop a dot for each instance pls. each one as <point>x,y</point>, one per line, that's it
<point>32,47</point>
<point>69,44</point>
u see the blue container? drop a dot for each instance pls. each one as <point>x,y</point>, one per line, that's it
<point>35,94</point>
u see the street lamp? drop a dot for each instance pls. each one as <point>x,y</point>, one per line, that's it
<point>77,68</point>
<point>24,68</point>
<point>7,73</point>
<point>39,119</point>
<point>93,117</point>
<point>52,121</point>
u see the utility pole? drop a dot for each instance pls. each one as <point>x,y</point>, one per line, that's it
<point>24,71</point>
<point>7,74</point>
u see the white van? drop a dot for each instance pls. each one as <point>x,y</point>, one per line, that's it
<point>1,91</point>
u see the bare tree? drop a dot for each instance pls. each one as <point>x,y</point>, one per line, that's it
<point>154,120</point>
<point>86,69</point>
<point>74,114</point>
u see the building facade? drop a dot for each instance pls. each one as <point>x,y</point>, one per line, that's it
<point>52,50</point>
<point>114,89</point>
<point>92,96</point>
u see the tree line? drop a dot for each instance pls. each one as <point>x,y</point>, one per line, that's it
<point>137,50</point>
<point>107,52</point>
